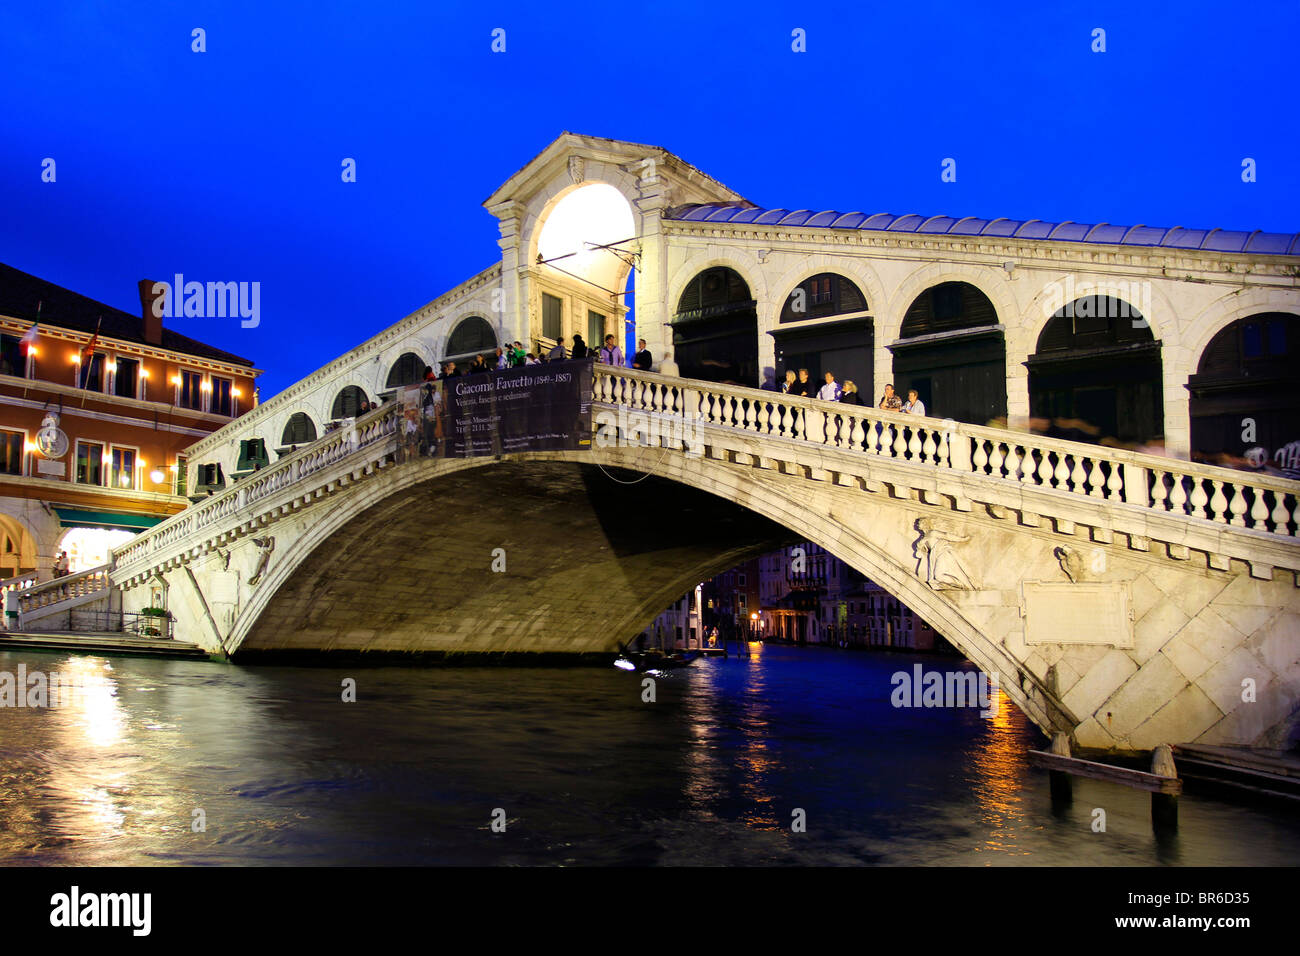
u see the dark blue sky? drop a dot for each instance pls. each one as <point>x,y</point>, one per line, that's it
<point>225,165</point>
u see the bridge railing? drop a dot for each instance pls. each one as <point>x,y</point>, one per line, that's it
<point>330,448</point>
<point>81,584</point>
<point>18,582</point>
<point>1160,484</point>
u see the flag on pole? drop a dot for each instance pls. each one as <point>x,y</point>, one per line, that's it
<point>29,337</point>
<point>88,353</point>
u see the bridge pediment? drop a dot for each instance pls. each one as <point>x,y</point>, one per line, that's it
<point>572,159</point>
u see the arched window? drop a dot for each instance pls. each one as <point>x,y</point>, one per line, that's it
<point>298,430</point>
<point>407,370</point>
<point>471,336</point>
<point>961,375</point>
<point>823,295</point>
<point>1243,394</point>
<point>715,330</point>
<point>1096,374</point>
<point>347,404</point>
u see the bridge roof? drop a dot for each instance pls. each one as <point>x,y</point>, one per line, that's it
<point>1172,237</point>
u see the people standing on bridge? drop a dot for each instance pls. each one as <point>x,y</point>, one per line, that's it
<point>803,386</point>
<point>830,392</point>
<point>788,385</point>
<point>668,366</point>
<point>559,353</point>
<point>610,353</point>
<point>579,347</point>
<point>503,361</point>
<point>851,396</point>
<point>428,373</point>
<point>914,404</point>
<point>61,564</point>
<point>531,359</point>
<point>889,401</point>
<point>642,360</point>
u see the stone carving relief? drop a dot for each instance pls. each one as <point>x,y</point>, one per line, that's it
<point>264,548</point>
<point>937,562</point>
<point>1071,563</point>
<point>577,169</point>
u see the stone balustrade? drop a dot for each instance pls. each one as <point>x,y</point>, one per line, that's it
<point>1205,492</point>
<point>333,447</point>
<point>66,588</point>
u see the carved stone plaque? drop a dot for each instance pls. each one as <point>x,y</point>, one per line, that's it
<point>1086,612</point>
<point>223,587</point>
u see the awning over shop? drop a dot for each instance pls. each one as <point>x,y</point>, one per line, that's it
<point>113,520</point>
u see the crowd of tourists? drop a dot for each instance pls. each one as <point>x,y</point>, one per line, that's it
<point>513,355</point>
<point>832,391</point>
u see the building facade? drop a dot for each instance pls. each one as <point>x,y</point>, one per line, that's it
<point>97,407</point>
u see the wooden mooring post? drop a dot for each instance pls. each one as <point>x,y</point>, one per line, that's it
<point>1162,781</point>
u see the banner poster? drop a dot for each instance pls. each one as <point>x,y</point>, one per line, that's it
<point>531,408</point>
<point>421,420</point>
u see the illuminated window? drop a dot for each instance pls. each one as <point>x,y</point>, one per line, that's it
<point>90,463</point>
<point>122,468</point>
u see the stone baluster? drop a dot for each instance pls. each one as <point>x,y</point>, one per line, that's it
<point>1237,506</point>
<point>1219,502</point>
<point>1198,499</point>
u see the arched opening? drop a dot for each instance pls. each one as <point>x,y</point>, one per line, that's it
<point>347,404</point>
<point>90,547</point>
<point>839,336</point>
<point>17,548</point>
<point>298,430</point>
<point>1095,375</point>
<point>407,370</point>
<point>685,532</point>
<point>715,329</point>
<point>952,351</point>
<point>1244,394</point>
<point>472,336</point>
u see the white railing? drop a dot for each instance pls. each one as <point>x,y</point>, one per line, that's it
<point>1169,485</point>
<point>330,448</point>
<point>81,584</point>
<point>18,582</point>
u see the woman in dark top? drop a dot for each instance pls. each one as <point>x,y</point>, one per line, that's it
<point>579,347</point>
<point>851,396</point>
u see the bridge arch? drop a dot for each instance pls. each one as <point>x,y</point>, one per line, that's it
<point>291,582</point>
<point>584,172</point>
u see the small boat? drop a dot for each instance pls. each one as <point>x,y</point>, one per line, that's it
<point>655,660</point>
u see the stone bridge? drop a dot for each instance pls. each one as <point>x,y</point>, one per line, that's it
<point>1124,599</point>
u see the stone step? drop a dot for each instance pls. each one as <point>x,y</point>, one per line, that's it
<point>91,642</point>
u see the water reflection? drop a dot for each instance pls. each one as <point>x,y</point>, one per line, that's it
<point>587,772</point>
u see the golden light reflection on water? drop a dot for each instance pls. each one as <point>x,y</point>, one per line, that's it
<point>755,755</point>
<point>998,762</point>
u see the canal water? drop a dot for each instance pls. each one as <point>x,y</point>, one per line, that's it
<point>715,771</point>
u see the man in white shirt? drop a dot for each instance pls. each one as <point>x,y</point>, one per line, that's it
<point>830,392</point>
<point>914,405</point>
